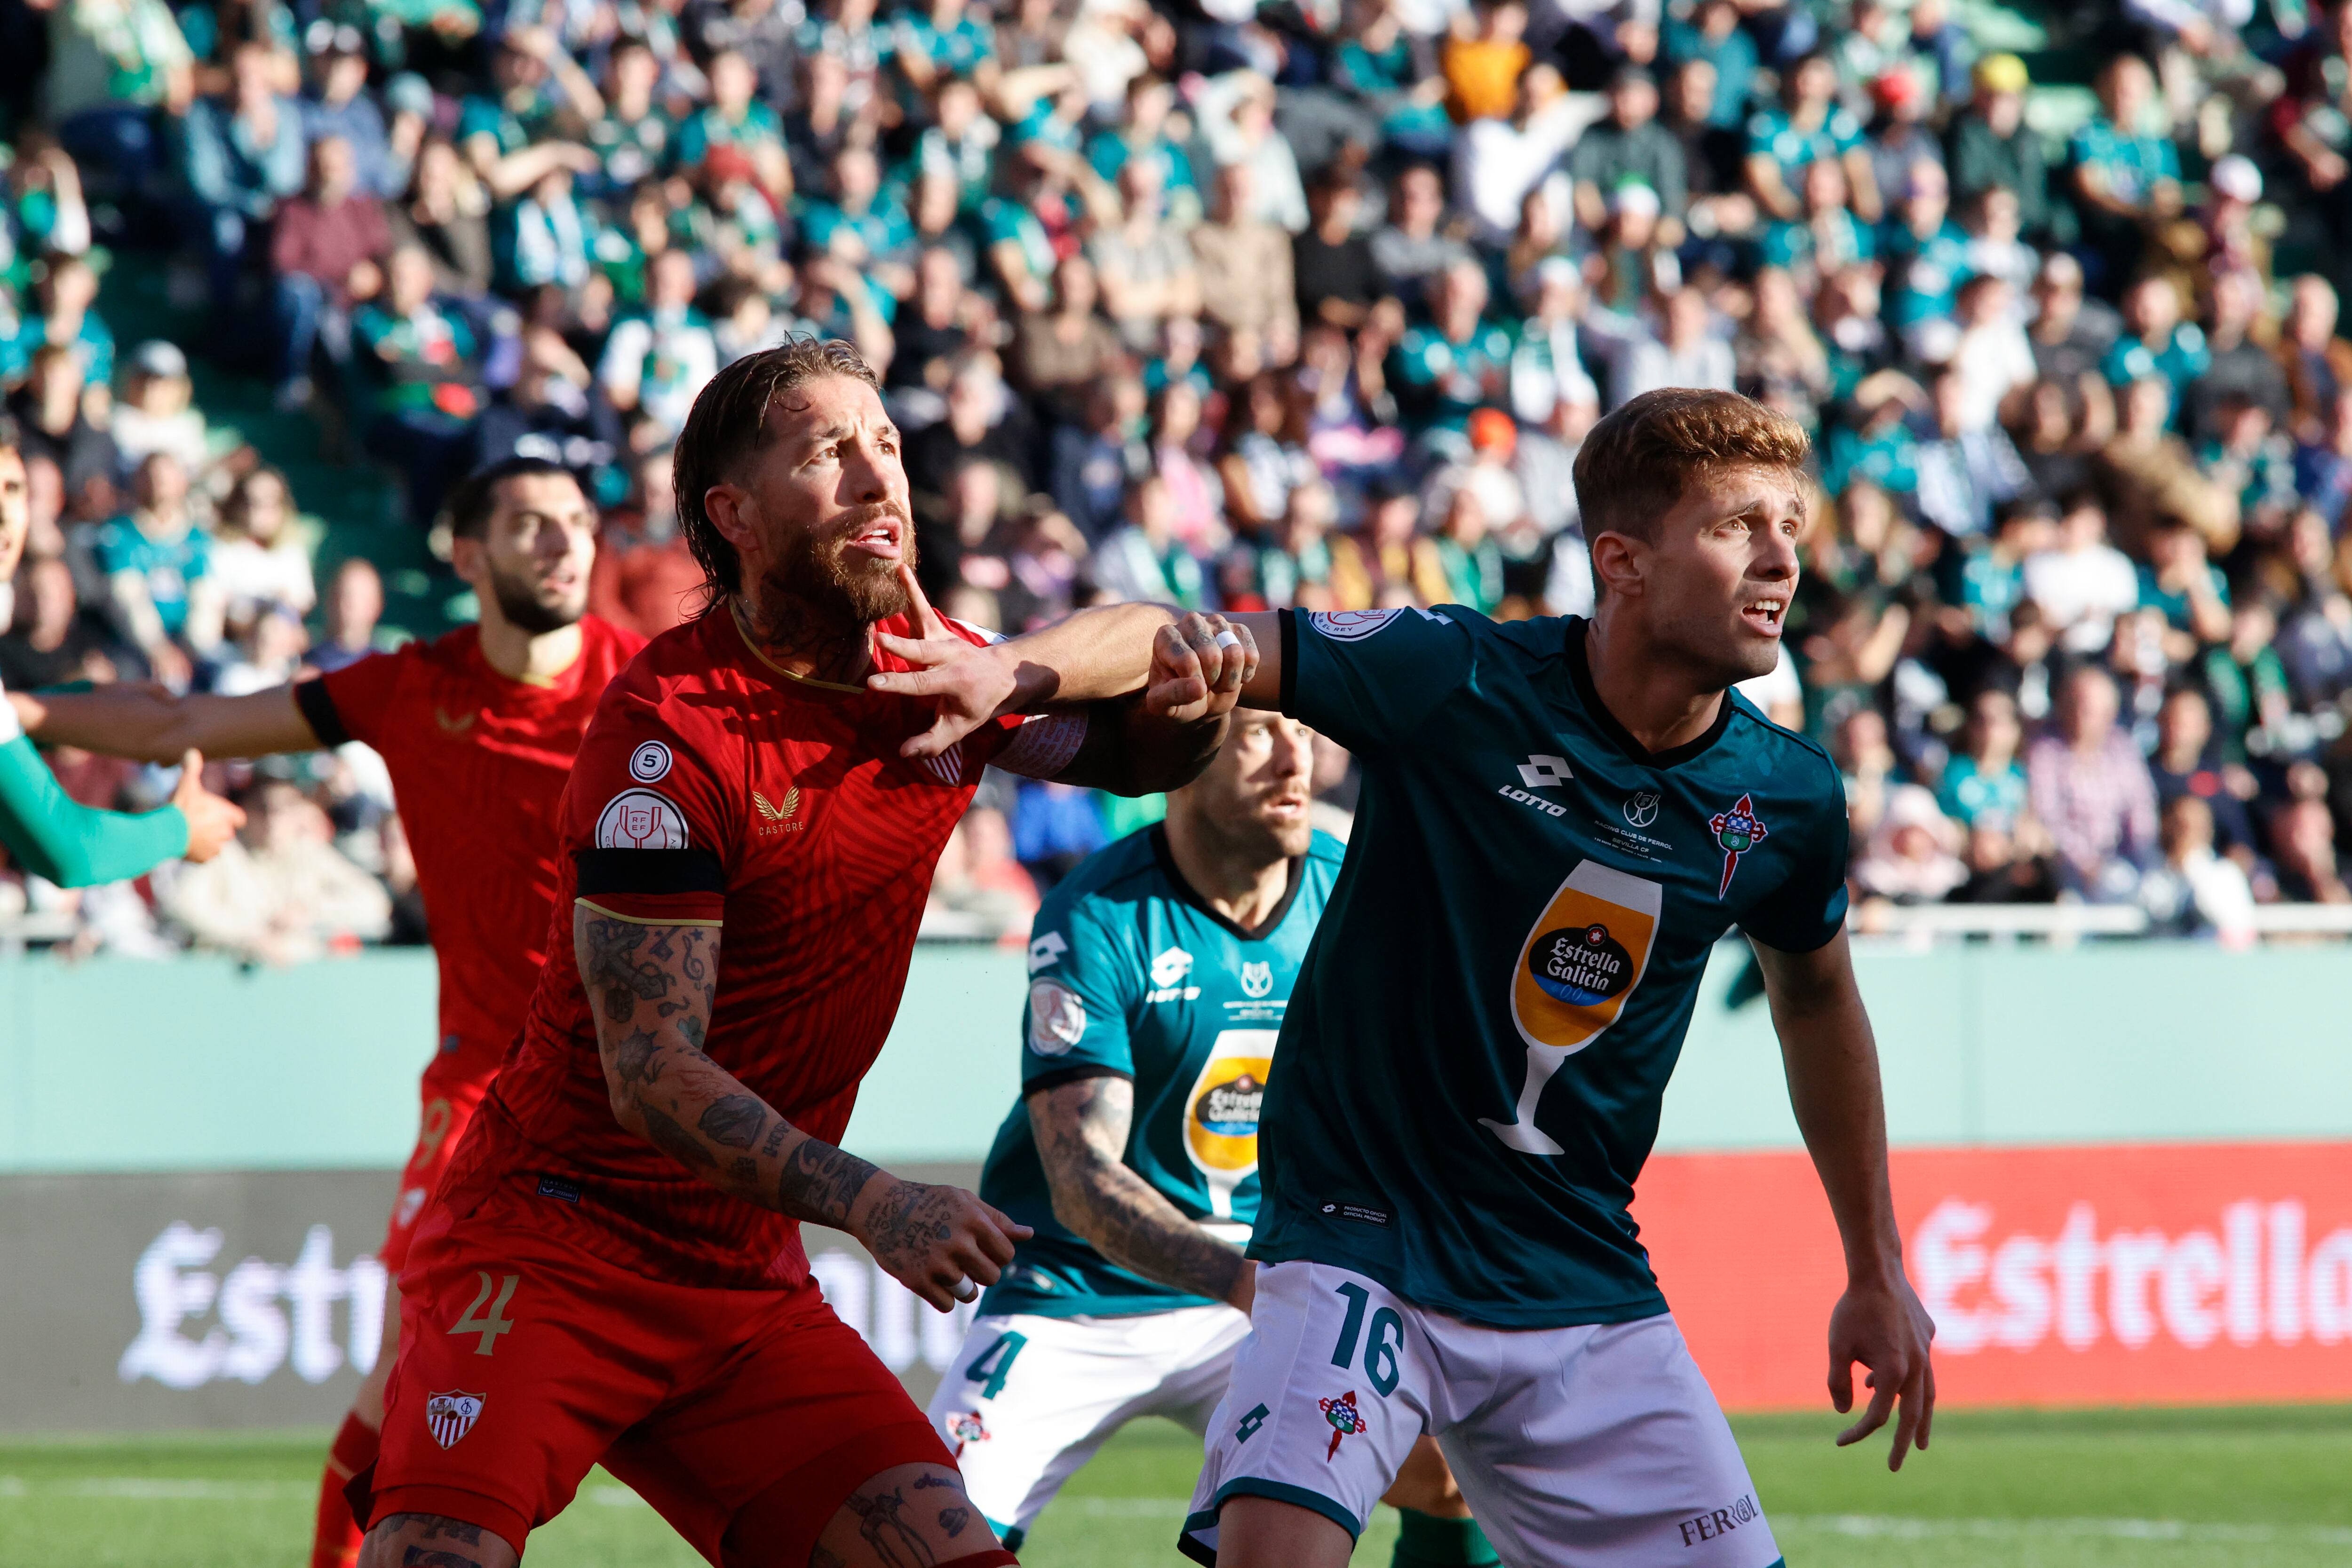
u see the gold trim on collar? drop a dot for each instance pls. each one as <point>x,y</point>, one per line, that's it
<point>735,614</point>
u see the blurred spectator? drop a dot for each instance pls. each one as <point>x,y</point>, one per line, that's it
<point>279,893</point>
<point>2091,789</point>
<point>157,564</point>
<point>1984,782</point>
<point>2184,764</point>
<point>2193,891</point>
<point>644,577</point>
<point>355,605</point>
<point>156,413</point>
<point>50,641</point>
<point>244,155</point>
<point>258,562</point>
<point>1913,854</point>
<point>325,248</point>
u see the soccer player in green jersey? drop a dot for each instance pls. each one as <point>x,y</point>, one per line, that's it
<point>1558,819</point>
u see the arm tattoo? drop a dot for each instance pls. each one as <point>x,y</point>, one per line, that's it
<point>435,1527</point>
<point>636,1058</point>
<point>673,1140</point>
<point>954,1520</point>
<point>734,1122</point>
<point>614,969</point>
<point>1082,1130</point>
<point>820,1182</point>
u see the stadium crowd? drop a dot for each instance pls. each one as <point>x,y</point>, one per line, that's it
<point>1237,304</point>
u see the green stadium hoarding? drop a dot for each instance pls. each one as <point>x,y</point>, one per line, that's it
<point>196,1159</point>
<point>200,1064</point>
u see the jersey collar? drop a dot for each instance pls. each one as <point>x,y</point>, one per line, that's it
<point>1581,672</point>
<point>735,618</point>
<point>1192,895</point>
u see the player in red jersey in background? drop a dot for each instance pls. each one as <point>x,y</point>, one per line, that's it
<point>613,1270</point>
<point>477,729</point>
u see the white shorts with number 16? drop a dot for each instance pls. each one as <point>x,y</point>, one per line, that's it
<point>1597,1447</point>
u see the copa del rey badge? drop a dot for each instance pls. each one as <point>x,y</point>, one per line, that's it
<point>449,1416</point>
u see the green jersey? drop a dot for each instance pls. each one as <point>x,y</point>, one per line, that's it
<point>1133,975</point>
<point>1471,1070</point>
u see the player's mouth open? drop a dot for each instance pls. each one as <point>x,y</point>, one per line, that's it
<point>1287,806</point>
<point>878,537</point>
<point>1763,614</point>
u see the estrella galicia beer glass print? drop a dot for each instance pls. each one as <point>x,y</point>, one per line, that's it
<point>1582,959</point>
<point>1221,1113</point>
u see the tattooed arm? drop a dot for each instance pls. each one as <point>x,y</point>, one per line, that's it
<point>650,989</point>
<point>1081,1131</point>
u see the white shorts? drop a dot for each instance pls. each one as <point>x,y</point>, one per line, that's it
<point>1599,1446</point>
<point>1028,1399</point>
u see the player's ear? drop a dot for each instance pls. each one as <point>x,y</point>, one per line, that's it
<point>729,507</point>
<point>470,561</point>
<point>1618,562</point>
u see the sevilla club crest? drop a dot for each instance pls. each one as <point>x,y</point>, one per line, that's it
<point>449,1416</point>
<point>1737,831</point>
<point>1345,1420</point>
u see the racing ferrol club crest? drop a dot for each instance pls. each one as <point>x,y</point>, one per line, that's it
<point>1737,831</point>
<point>1346,1422</point>
<point>449,1416</point>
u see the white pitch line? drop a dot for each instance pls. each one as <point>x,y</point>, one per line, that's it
<point>158,1488</point>
<point>1894,1527</point>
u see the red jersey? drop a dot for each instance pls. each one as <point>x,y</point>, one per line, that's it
<point>715,788</point>
<point>477,762</point>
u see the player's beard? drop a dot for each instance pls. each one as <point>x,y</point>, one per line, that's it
<point>828,589</point>
<point>521,603</point>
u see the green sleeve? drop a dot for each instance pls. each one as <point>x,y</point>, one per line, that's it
<point>51,834</point>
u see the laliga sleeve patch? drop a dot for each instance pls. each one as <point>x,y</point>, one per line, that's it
<point>1057,1019</point>
<point>649,763</point>
<point>1351,625</point>
<point>640,819</point>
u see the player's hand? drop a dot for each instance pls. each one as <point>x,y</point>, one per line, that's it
<point>1882,1325</point>
<point>212,821</point>
<point>1199,665</point>
<point>970,685</point>
<point>940,1242</point>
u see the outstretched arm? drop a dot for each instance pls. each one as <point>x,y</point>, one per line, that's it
<point>152,725</point>
<point>1833,1066</point>
<point>1187,667</point>
<point>650,989</point>
<point>52,835</point>
<point>1081,1130</point>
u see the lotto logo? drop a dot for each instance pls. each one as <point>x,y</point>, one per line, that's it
<point>1542,772</point>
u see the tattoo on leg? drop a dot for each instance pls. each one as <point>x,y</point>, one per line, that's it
<point>894,1540</point>
<point>733,1122</point>
<point>954,1520</point>
<point>820,1182</point>
<point>676,1141</point>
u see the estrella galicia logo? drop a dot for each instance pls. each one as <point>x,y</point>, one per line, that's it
<point>1229,1109</point>
<point>1642,809</point>
<point>1257,979</point>
<point>1581,965</point>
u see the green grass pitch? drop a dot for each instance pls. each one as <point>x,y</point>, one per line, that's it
<point>2169,1488</point>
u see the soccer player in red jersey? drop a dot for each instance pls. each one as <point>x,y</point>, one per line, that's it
<point>477,729</point>
<point>613,1270</point>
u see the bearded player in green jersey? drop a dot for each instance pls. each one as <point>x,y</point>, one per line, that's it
<point>1558,819</point>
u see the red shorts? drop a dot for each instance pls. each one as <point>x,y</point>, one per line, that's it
<point>449,1101</point>
<point>525,1360</point>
